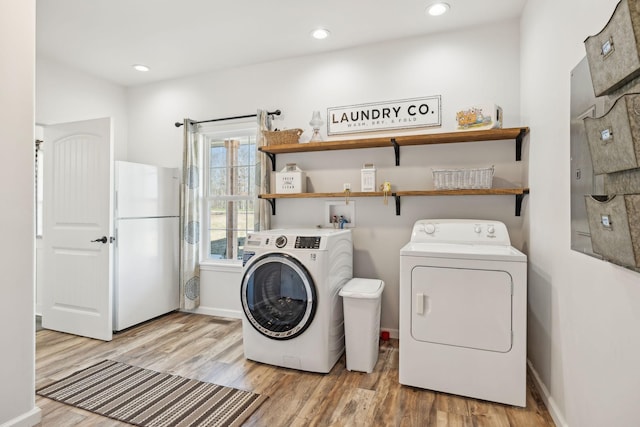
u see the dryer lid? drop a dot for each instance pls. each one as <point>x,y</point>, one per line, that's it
<point>463,251</point>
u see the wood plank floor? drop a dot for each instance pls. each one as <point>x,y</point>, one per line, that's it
<point>210,349</point>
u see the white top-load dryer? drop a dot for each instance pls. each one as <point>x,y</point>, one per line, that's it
<point>463,310</point>
<point>292,313</point>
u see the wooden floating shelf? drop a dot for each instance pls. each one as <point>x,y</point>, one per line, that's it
<point>396,142</point>
<point>466,192</point>
<point>320,195</point>
<point>461,192</point>
<point>518,192</point>
<point>423,139</point>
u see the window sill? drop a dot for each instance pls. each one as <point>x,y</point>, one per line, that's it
<point>230,266</point>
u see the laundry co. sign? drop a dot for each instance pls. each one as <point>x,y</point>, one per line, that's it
<point>407,113</point>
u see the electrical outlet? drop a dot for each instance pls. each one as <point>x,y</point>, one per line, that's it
<point>346,186</point>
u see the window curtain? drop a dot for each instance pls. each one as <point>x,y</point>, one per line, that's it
<point>263,174</point>
<point>190,219</point>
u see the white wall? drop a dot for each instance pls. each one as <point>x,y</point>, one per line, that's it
<point>17,359</point>
<point>584,314</point>
<point>64,94</point>
<point>450,65</point>
<point>222,295</point>
<point>458,66</point>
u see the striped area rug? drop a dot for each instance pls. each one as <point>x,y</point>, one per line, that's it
<point>152,399</point>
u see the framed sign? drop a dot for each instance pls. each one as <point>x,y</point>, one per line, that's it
<point>403,114</point>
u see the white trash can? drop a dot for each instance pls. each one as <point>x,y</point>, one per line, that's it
<point>361,303</point>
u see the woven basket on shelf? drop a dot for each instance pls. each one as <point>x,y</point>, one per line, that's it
<point>288,136</point>
<point>453,179</point>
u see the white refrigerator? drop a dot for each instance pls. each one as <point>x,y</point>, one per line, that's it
<point>146,283</point>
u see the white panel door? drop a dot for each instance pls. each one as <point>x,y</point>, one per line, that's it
<point>462,307</point>
<point>77,219</point>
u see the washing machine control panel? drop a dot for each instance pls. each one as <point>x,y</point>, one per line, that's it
<point>307,242</point>
<point>281,241</point>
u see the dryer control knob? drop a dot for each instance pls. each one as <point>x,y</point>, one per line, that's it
<point>477,229</point>
<point>491,229</point>
<point>429,228</point>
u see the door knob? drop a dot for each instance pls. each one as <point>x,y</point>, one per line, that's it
<point>103,239</point>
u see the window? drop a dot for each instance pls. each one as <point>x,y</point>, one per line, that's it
<point>230,193</point>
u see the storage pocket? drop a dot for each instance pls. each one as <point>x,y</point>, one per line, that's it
<point>614,224</point>
<point>625,182</point>
<point>614,139</point>
<point>613,52</point>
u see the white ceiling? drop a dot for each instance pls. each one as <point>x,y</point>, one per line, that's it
<point>183,37</point>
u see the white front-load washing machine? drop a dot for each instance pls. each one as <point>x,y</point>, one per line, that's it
<point>292,313</point>
<point>463,311</point>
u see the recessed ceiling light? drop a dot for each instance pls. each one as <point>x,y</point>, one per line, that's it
<point>320,34</point>
<point>437,9</point>
<point>140,67</point>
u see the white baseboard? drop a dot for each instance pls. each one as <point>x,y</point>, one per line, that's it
<point>29,419</point>
<point>219,312</point>
<point>552,407</point>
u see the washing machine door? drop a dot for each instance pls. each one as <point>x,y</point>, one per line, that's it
<point>278,296</point>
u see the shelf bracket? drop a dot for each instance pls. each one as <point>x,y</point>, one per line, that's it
<point>395,196</point>
<point>519,139</point>
<point>272,157</point>
<point>519,199</point>
<point>396,150</point>
<point>272,202</point>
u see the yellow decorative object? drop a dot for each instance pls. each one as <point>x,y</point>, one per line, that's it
<point>480,117</point>
<point>386,189</point>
